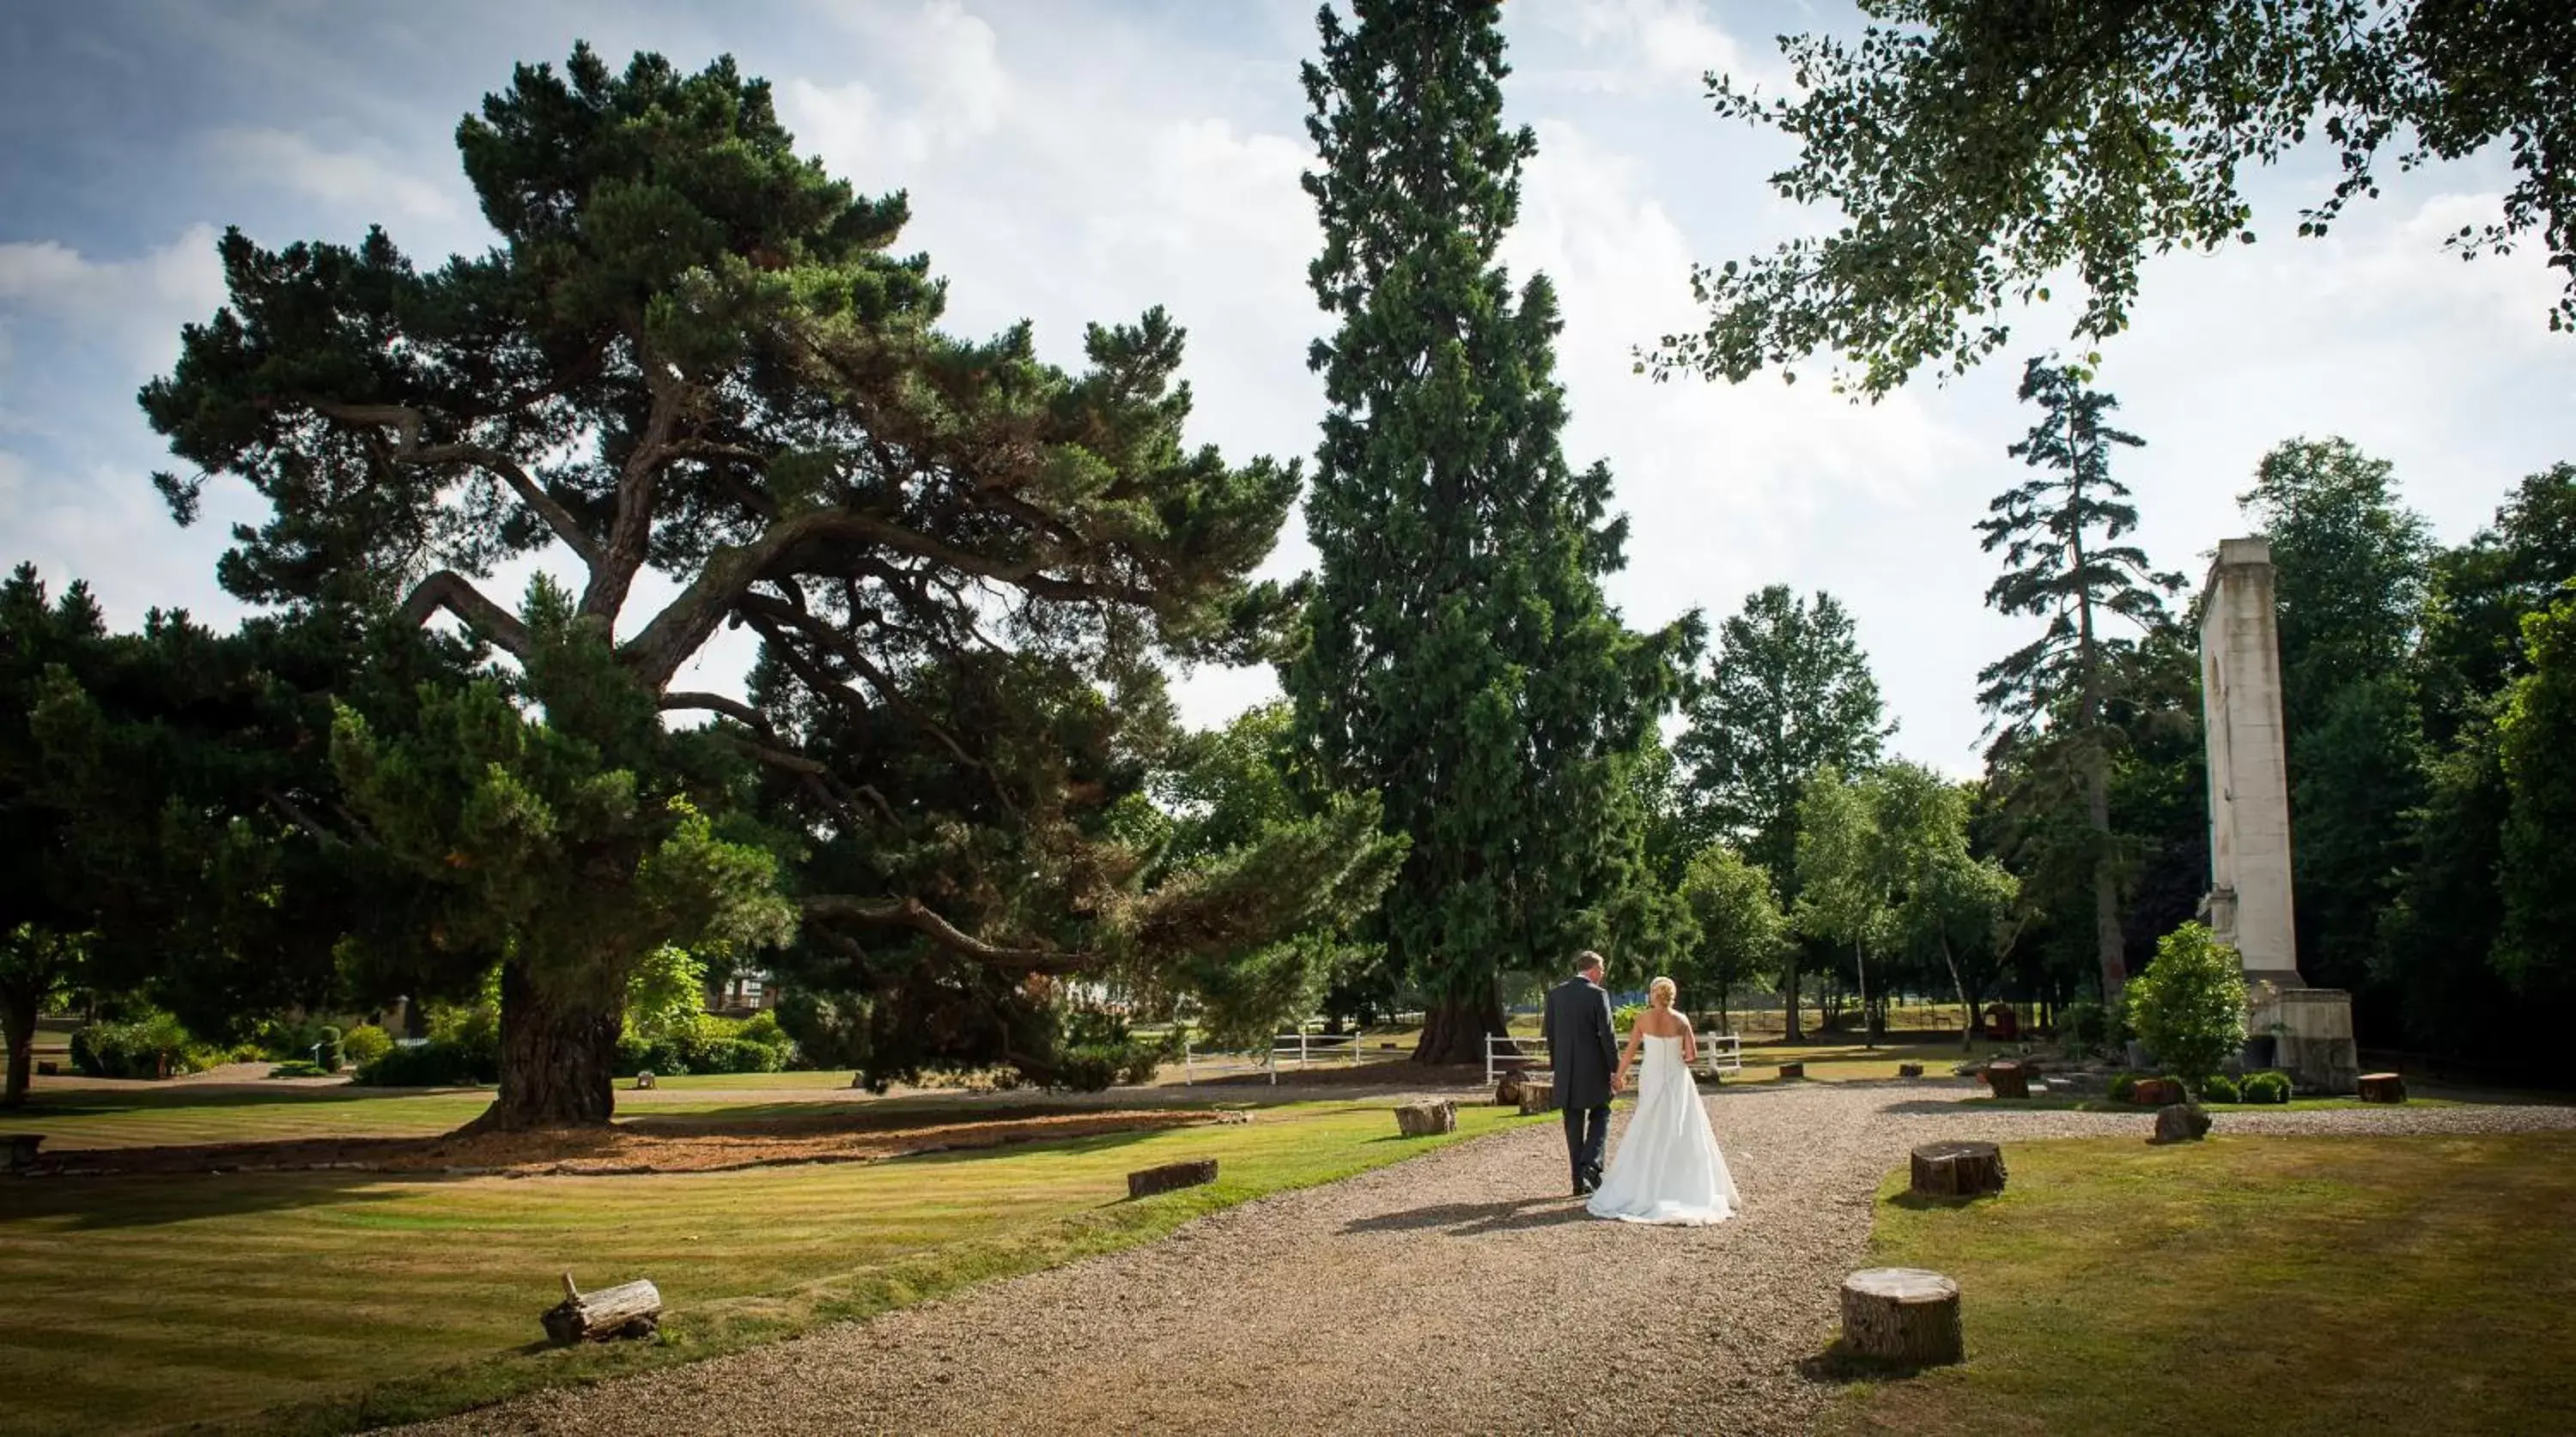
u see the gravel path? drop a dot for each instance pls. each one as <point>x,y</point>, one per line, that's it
<point>1460,1292</point>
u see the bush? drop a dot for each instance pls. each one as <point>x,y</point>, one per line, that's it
<point>135,1048</point>
<point>328,1049</point>
<point>762,1028</point>
<point>2219,1088</point>
<point>2087,1027</point>
<point>736,1055</point>
<point>2189,1006</point>
<point>1097,1049</point>
<point>2124,1088</point>
<point>298,1068</point>
<point>364,1044</point>
<point>2266,1088</point>
<point>438,1063</point>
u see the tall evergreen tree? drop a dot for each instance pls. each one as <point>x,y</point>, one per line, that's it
<point>1459,657</point>
<point>2051,698</point>
<point>1787,693</point>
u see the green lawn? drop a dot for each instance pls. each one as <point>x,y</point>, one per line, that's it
<point>1847,1062</point>
<point>2070,1103</point>
<point>135,1303</point>
<point>2281,1285</point>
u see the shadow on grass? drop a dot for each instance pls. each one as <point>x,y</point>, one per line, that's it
<point>1475,1219</point>
<point>1839,1366</point>
<point>101,1102</point>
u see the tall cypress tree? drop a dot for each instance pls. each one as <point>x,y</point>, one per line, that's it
<point>1459,657</point>
<point>2063,562</point>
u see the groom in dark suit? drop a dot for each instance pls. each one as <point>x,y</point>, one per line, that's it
<point>1585,1054</point>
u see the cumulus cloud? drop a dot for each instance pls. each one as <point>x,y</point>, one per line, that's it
<point>135,305</point>
<point>369,184</point>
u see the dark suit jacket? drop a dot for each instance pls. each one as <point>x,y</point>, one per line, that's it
<point>1580,1045</point>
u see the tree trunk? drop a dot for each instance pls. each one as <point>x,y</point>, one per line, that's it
<point>556,1057</point>
<point>1956,1169</point>
<point>18,1017</point>
<point>1790,987</point>
<point>1860,972</point>
<point>2106,889</point>
<point>1455,1028</point>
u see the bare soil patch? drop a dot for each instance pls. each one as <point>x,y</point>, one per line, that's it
<point>832,1134</point>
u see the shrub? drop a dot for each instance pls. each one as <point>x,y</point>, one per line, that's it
<point>438,1063</point>
<point>2189,1006</point>
<point>2087,1027</point>
<point>328,1049</point>
<point>2267,1088</point>
<point>736,1055</point>
<point>2124,1087</point>
<point>1095,1050</point>
<point>297,1068</point>
<point>762,1027</point>
<point>2219,1088</point>
<point>135,1048</point>
<point>364,1044</point>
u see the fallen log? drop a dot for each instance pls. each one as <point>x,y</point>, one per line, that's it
<point>630,1309</point>
<point>1957,1169</point>
<point>1909,1070</point>
<point>1902,1315</point>
<point>1171,1176</point>
<point>1423,1120</point>
<point>2156,1092</point>
<point>1793,1070</point>
<point>2383,1088</point>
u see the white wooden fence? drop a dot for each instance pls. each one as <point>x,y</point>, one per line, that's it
<point>1296,1052</point>
<point>1720,1053</point>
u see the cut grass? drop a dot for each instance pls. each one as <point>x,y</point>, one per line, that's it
<point>2072,1104</point>
<point>326,1301</point>
<point>2302,1285</point>
<point>1852,1062</point>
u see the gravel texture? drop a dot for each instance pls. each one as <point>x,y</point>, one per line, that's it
<point>1460,1292</point>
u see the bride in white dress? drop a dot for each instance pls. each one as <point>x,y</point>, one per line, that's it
<point>1667,1168</point>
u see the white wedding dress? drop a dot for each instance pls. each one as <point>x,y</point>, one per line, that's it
<point>1667,1168</point>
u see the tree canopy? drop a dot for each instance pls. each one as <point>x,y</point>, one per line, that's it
<point>1976,152</point>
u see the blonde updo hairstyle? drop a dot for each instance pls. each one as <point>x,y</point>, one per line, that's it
<point>1660,994</point>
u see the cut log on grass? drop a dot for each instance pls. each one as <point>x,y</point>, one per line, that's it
<point>1507,1091</point>
<point>630,1309</point>
<point>2007,1079</point>
<point>48,1068</point>
<point>643,1080</point>
<point>1909,1070</point>
<point>1793,1070</point>
<point>18,1151</point>
<point>1538,1093</point>
<point>2383,1088</point>
<point>1424,1120</point>
<point>1958,1169</point>
<point>1902,1315</point>
<point>2180,1123</point>
<point>2156,1093</point>
<point>1170,1176</point>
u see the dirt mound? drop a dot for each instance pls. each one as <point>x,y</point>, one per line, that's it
<point>642,1145</point>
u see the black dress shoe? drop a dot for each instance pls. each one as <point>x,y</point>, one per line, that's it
<point>1585,1189</point>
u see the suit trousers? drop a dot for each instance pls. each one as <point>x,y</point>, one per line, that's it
<point>1587,1132</point>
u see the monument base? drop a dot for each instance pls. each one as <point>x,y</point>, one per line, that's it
<point>2311,1029</point>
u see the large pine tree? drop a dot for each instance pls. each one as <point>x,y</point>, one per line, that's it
<point>1459,657</point>
<point>2063,562</point>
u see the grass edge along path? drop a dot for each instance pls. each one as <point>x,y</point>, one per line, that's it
<point>2307,1285</point>
<point>1285,1148</point>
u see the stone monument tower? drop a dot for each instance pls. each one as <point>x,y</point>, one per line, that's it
<point>2249,902</point>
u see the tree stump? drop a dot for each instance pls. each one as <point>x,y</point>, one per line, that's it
<point>48,1068</point>
<point>1170,1176</point>
<point>18,1151</point>
<point>2383,1088</point>
<point>1909,1070</point>
<point>1903,1315</point>
<point>2180,1123</point>
<point>1538,1093</point>
<point>644,1080</point>
<point>1423,1120</point>
<point>2007,1079</point>
<point>1507,1090</point>
<point>631,1309</point>
<point>1793,1070</point>
<point>2156,1093</point>
<point>1958,1169</point>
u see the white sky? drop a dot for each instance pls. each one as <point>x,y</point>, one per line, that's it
<point>1082,161</point>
